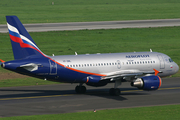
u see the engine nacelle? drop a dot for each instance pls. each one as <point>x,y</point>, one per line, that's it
<point>99,84</point>
<point>94,81</point>
<point>147,83</point>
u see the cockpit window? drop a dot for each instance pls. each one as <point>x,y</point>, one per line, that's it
<point>170,60</point>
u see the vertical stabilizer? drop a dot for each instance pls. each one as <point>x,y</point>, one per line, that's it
<point>22,44</point>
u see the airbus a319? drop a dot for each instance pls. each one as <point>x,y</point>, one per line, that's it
<point>142,69</point>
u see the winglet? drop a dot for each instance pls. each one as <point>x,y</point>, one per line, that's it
<point>2,61</point>
<point>156,72</point>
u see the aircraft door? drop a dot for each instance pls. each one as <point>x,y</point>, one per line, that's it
<point>161,60</point>
<point>53,67</point>
<point>118,64</point>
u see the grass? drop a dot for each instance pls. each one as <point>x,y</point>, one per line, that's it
<point>42,11</point>
<point>165,40</point>
<point>142,113</point>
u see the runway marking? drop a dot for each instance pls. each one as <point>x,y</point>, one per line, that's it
<point>20,98</point>
<point>158,89</point>
<point>34,97</point>
<point>169,88</point>
<point>131,91</point>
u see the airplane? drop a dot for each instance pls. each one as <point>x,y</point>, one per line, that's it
<point>142,69</point>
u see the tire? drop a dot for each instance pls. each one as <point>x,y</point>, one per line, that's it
<point>111,91</point>
<point>114,92</point>
<point>80,89</point>
<point>117,92</point>
<point>77,89</point>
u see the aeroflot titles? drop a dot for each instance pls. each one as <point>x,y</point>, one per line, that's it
<point>137,56</point>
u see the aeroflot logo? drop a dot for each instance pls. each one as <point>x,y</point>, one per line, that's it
<point>137,56</point>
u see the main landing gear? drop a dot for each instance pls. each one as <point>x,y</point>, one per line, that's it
<point>80,89</point>
<point>115,91</point>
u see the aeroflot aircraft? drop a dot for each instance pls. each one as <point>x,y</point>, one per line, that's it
<point>142,69</point>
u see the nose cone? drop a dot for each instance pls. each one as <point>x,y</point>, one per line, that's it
<point>176,68</point>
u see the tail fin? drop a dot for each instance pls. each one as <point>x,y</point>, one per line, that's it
<point>22,44</point>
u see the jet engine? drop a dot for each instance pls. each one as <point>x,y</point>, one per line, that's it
<point>94,81</point>
<point>147,83</point>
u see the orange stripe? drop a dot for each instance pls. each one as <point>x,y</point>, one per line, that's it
<point>87,80</point>
<point>2,60</point>
<point>156,72</point>
<point>77,70</point>
<point>85,72</point>
<point>160,82</point>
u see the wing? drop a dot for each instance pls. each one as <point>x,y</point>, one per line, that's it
<point>128,75</point>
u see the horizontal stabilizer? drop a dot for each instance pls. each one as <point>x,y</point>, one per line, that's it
<point>30,67</point>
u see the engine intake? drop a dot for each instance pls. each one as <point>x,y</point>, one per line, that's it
<point>147,83</point>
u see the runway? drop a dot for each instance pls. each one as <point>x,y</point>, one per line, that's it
<point>97,25</point>
<point>54,99</point>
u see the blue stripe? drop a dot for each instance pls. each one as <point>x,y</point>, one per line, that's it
<point>14,34</point>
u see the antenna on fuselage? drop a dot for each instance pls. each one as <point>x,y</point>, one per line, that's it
<point>76,53</point>
<point>150,50</point>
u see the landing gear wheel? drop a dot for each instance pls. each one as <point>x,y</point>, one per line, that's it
<point>117,92</point>
<point>111,91</point>
<point>80,89</point>
<point>114,92</point>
